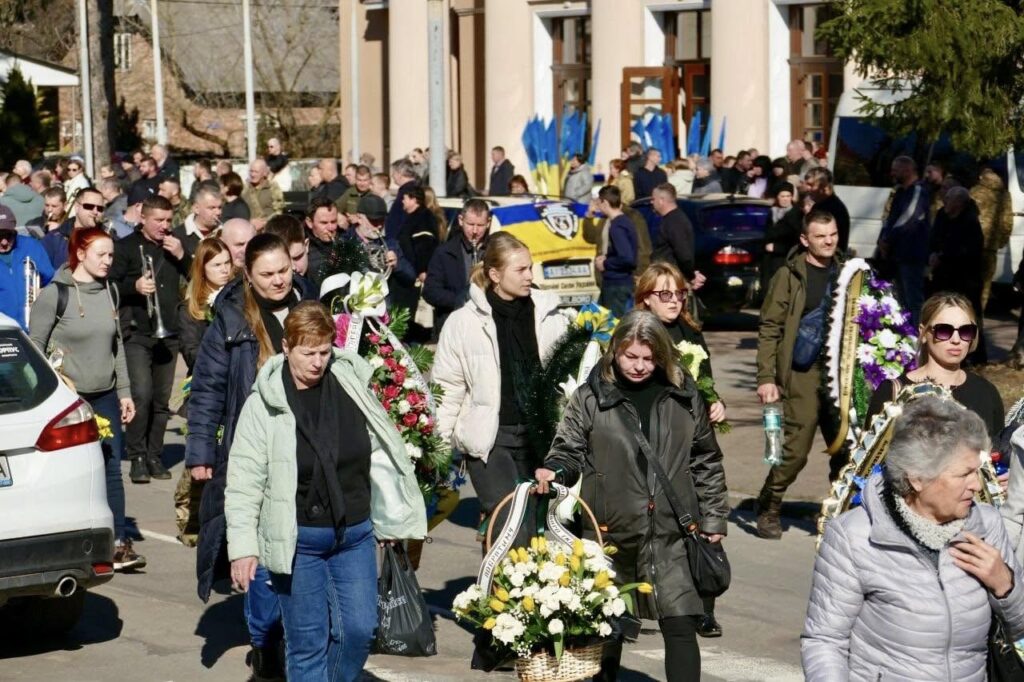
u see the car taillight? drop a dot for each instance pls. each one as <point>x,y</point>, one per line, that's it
<point>74,426</point>
<point>103,568</point>
<point>732,255</point>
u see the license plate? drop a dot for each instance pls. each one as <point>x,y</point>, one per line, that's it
<point>564,271</point>
<point>6,480</point>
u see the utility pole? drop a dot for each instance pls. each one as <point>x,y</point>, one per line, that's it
<point>435,79</point>
<point>354,83</point>
<point>85,85</point>
<point>250,97</point>
<point>158,75</point>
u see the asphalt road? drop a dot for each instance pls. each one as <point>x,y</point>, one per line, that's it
<point>151,626</point>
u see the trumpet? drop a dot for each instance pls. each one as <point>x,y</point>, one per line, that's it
<point>31,273</point>
<point>153,301</point>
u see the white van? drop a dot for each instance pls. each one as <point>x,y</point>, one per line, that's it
<point>860,153</point>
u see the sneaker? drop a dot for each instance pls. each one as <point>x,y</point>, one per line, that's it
<point>139,472</point>
<point>769,525</point>
<point>708,626</point>
<point>125,558</point>
<point>157,469</point>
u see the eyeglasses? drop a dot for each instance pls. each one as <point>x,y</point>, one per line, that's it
<point>665,295</point>
<point>92,207</point>
<point>944,332</point>
<point>74,169</point>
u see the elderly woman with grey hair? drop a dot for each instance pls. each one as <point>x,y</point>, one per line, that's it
<point>906,586</point>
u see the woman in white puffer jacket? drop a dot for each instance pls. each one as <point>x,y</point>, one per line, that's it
<point>486,353</point>
<point>906,586</point>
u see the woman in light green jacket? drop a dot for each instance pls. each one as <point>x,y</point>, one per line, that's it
<point>317,470</point>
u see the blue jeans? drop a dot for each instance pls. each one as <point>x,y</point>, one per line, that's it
<point>108,406</point>
<point>262,610</point>
<point>910,286</point>
<point>329,603</point>
<point>617,298</point>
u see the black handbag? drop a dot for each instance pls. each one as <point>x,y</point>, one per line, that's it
<point>709,565</point>
<point>1003,665</point>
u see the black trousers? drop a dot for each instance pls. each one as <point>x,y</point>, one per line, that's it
<point>511,460</point>
<point>151,364</point>
<point>682,654</point>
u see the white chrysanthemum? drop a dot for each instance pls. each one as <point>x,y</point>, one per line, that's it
<point>531,589</point>
<point>423,419</point>
<point>866,302</point>
<point>517,578</point>
<point>611,591</point>
<point>865,353</point>
<point>507,628</point>
<point>376,362</point>
<point>546,610</point>
<point>414,451</point>
<point>556,626</point>
<point>613,607</point>
<point>604,629</point>
<point>565,595</point>
<point>889,302</point>
<point>465,599</point>
<point>595,564</point>
<point>515,593</point>
<point>409,383</point>
<point>508,569</point>
<point>550,572</point>
<point>892,371</point>
<point>887,339</point>
<point>404,407</point>
<point>575,604</point>
<point>587,584</point>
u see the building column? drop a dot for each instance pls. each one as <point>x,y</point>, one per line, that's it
<point>372,77</point>
<point>508,80</point>
<point>739,73</point>
<point>617,41</point>
<point>408,119</point>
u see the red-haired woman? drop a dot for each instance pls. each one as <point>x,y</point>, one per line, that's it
<point>77,316</point>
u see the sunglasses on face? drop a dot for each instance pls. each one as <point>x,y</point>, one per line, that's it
<point>74,169</point>
<point>944,332</point>
<point>92,207</point>
<point>665,295</point>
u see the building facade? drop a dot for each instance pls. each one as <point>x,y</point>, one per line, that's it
<point>753,65</point>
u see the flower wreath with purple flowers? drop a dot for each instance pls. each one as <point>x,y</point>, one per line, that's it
<point>870,339</point>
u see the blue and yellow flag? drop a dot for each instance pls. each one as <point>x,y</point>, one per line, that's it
<point>551,229</point>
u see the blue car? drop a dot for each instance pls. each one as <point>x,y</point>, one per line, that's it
<point>728,240</point>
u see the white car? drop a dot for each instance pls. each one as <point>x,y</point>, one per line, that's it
<point>56,529</point>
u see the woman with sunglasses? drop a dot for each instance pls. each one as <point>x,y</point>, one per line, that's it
<point>948,333</point>
<point>662,289</point>
<point>75,180</point>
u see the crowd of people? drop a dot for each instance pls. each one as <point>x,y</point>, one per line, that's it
<point>293,469</point>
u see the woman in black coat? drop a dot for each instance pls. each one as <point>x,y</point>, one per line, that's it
<point>457,180</point>
<point>638,404</point>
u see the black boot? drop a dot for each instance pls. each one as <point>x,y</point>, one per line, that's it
<point>708,626</point>
<point>139,472</point>
<point>267,664</point>
<point>157,469</point>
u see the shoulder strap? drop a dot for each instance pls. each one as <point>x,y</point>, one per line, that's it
<point>896,387</point>
<point>683,518</point>
<point>62,301</point>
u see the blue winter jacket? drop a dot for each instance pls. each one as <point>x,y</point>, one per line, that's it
<point>222,379</point>
<point>12,275</point>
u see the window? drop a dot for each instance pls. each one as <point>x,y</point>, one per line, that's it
<point>571,63</point>
<point>816,75</point>
<point>149,129</point>
<point>687,36</point>
<point>123,51</point>
<point>26,379</point>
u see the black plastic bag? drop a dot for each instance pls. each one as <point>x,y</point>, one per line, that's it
<point>404,627</point>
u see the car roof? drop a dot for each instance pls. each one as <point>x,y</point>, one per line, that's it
<point>704,200</point>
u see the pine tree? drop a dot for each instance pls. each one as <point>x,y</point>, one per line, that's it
<point>958,62</point>
<point>21,130</point>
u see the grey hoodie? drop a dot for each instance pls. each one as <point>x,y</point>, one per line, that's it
<point>87,334</point>
<point>24,202</point>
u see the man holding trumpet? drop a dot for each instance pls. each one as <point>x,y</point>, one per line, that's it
<point>17,278</point>
<point>149,266</point>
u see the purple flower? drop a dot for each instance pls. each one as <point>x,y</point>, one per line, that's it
<point>890,355</point>
<point>874,375</point>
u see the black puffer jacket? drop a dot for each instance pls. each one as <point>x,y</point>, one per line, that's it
<point>598,437</point>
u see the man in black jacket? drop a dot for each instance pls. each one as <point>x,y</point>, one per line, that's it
<point>322,230</point>
<point>404,175</point>
<point>333,185</point>
<point>447,284</point>
<point>650,175</point>
<point>818,186</point>
<point>675,242</point>
<point>148,303</point>
<point>501,173</point>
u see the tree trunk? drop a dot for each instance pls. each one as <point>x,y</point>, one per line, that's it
<point>101,68</point>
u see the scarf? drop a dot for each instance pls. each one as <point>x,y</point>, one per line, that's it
<point>517,350</point>
<point>320,434</point>
<point>268,312</point>
<point>929,534</point>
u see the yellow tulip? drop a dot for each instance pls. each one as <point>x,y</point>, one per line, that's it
<point>574,564</point>
<point>528,604</point>
<point>610,549</point>
<point>601,580</point>
<point>496,605</point>
<point>577,548</point>
<point>534,543</point>
<point>645,588</point>
<point>564,580</point>
<point>542,544</point>
<point>560,559</point>
<point>489,624</point>
<point>524,555</point>
<point>501,594</point>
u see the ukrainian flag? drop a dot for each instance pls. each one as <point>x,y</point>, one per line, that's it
<point>552,230</point>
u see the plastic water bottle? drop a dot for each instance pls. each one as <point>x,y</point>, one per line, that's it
<point>773,434</point>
